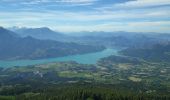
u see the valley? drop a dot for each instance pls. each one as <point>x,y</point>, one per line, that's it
<point>84,49</point>
<point>127,74</point>
<point>131,66</point>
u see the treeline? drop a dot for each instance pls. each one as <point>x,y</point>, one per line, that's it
<point>85,92</point>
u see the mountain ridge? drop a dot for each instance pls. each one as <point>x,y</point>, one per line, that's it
<point>14,47</point>
<point>43,33</point>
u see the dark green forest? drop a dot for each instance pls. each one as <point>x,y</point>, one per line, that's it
<point>82,92</point>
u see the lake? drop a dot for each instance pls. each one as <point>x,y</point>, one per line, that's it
<point>89,58</point>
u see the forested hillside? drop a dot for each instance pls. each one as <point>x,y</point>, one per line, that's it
<point>156,53</point>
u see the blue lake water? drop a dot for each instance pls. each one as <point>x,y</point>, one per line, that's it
<point>90,58</point>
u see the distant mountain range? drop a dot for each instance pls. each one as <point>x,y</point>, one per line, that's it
<point>107,39</point>
<point>42,33</point>
<point>110,39</point>
<point>123,39</point>
<point>12,46</point>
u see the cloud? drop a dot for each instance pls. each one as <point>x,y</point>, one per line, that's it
<point>76,1</point>
<point>161,27</point>
<point>148,3</point>
<point>38,2</point>
<point>86,17</point>
<point>141,4</point>
<point>153,15</point>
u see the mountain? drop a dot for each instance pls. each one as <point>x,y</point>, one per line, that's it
<point>110,39</point>
<point>14,47</point>
<point>42,33</point>
<point>121,38</point>
<point>7,33</point>
<point>156,53</point>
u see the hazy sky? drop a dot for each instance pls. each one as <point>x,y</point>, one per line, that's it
<point>88,15</point>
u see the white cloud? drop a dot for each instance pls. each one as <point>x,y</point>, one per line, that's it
<point>116,17</point>
<point>33,2</point>
<point>86,17</point>
<point>142,3</point>
<point>161,27</point>
<point>134,20</point>
<point>76,1</point>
